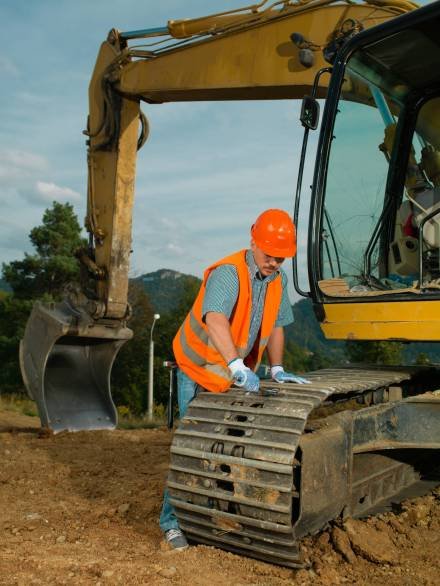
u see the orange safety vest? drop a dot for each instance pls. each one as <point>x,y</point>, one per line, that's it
<point>195,353</point>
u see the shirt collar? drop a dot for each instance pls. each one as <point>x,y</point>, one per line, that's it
<point>253,269</point>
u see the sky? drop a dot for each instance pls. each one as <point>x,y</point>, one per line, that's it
<point>206,172</point>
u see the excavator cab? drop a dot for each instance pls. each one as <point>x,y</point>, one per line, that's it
<point>374,229</point>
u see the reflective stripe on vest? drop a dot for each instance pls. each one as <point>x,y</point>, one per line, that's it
<point>194,351</point>
<point>217,369</point>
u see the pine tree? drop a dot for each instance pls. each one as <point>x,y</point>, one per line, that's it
<point>53,265</point>
<point>41,275</point>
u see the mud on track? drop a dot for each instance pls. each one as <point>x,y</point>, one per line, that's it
<point>83,508</point>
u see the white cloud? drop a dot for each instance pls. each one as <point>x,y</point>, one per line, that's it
<point>15,164</point>
<point>51,191</point>
<point>174,248</point>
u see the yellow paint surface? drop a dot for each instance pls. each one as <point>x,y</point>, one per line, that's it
<point>417,320</point>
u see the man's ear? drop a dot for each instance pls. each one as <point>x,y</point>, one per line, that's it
<point>253,245</point>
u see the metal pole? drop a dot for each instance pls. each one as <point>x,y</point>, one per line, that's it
<point>150,380</point>
<point>150,396</point>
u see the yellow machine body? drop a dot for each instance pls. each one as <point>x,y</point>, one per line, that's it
<point>407,321</point>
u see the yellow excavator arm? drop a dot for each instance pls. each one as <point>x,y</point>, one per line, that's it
<point>248,54</point>
<point>264,51</point>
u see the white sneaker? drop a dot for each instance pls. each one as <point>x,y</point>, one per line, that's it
<point>176,539</point>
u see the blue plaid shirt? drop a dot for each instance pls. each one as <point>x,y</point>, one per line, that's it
<point>222,292</point>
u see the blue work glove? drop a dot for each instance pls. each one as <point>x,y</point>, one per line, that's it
<point>244,376</point>
<point>280,376</point>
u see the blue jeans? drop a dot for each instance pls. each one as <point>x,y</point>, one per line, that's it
<point>186,389</point>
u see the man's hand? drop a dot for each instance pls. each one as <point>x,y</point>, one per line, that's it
<point>280,376</point>
<point>244,376</point>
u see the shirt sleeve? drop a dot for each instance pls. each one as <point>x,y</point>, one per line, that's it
<point>285,313</point>
<point>221,291</point>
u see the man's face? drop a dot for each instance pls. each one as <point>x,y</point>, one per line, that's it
<point>266,264</point>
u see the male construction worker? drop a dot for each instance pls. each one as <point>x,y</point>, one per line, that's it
<point>239,312</point>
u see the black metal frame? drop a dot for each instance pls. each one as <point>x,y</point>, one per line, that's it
<point>396,177</point>
<point>300,179</point>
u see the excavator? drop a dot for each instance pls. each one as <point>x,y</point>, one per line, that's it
<point>254,474</point>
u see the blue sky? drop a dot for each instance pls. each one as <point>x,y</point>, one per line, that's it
<point>207,170</point>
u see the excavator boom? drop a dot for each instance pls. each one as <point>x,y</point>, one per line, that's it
<point>227,57</point>
<point>253,60</point>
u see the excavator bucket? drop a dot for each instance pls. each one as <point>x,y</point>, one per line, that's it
<point>66,360</point>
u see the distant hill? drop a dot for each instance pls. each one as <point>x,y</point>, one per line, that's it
<point>165,288</point>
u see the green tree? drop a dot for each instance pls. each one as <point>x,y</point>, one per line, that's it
<point>54,264</point>
<point>13,316</point>
<point>367,352</point>
<point>423,359</point>
<point>317,360</point>
<point>40,275</point>
<point>190,290</point>
<point>296,359</point>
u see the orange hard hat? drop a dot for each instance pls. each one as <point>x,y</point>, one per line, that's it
<point>274,233</point>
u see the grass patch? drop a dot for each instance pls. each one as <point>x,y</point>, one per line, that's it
<point>127,420</point>
<point>18,403</point>
<point>138,423</point>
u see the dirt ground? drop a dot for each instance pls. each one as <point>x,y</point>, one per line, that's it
<point>82,509</point>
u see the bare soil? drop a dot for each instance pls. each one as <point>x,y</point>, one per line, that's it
<point>83,508</point>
